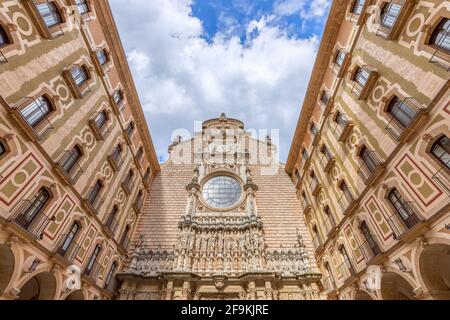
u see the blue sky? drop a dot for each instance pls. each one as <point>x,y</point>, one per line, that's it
<point>193,60</point>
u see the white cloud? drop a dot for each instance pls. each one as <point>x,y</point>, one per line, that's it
<point>181,78</point>
<point>307,9</point>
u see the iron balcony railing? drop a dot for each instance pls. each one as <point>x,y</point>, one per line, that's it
<point>329,284</point>
<point>442,178</point>
<point>68,248</point>
<point>330,224</point>
<point>346,269</point>
<point>68,162</point>
<point>370,248</point>
<point>404,115</point>
<point>112,224</point>
<point>370,166</point>
<point>26,216</point>
<point>404,219</point>
<point>94,199</point>
<point>92,270</point>
<point>345,201</point>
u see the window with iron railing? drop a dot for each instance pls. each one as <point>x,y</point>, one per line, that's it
<point>28,212</point>
<point>124,241</point>
<point>94,193</point>
<point>127,183</point>
<point>403,211</point>
<point>111,274</point>
<point>49,13</point>
<point>330,223</point>
<point>317,238</point>
<point>138,200</point>
<point>340,119</point>
<point>401,112</point>
<point>368,158</point>
<point>358,6</point>
<point>441,36</point>
<point>68,247</point>
<point>111,222</point>
<point>324,98</point>
<point>90,267</point>
<point>4,39</point>
<point>361,76</point>
<point>71,159</point>
<point>101,119</point>
<point>441,150</point>
<point>82,6</point>
<point>340,57</point>
<point>117,96</point>
<point>389,14</point>
<point>370,247</point>
<point>130,129</point>
<point>80,75</point>
<point>36,111</point>
<point>102,57</point>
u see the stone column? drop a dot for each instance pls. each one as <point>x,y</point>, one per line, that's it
<point>186,290</point>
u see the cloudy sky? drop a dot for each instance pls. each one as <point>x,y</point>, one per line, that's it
<point>193,59</point>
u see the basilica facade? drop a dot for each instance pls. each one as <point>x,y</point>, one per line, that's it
<point>222,223</point>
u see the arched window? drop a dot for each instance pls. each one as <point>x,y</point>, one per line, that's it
<point>82,6</point>
<point>79,75</point>
<point>130,128</point>
<point>368,159</point>
<point>441,35</point>
<point>102,56</point>
<point>49,13</point>
<point>370,243</point>
<point>140,153</point>
<point>101,119</point>
<point>36,111</point>
<point>95,192</point>
<point>340,57</point>
<point>111,223</point>
<point>361,76</point>
<point>441,150</point>
<point>346,263</point>
<point>4,39</point>
<point>33,208</point>
<point>125,239</point>
<point>2,149</point>
<point>389,14</point>
<point>117,96</point>
<point>313,129</point>
<point>346,191</point>
<point>111,273</point>
<point>70,238</point>
<point>358,6</point>
<point>71,159</point>
<point>92,261</point>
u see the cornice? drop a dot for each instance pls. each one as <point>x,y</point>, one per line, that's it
<point>330,34</point>
<point>105,17</point>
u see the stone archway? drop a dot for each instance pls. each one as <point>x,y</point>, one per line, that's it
<point>395,287</point>
<point>6,267</point>
<point>362,295</point>
<point>41,287</point>
<point>76,295</point>
<point>434,266</point>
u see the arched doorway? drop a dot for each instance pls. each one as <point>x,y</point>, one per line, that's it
<point>434,265</point>
<point>394,287</point>
<point>76,295</point>
<point>6,266</point>
<point>40,287</point>
<point>362,295</point>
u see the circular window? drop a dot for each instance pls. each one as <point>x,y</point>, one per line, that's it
<point>222,192</point>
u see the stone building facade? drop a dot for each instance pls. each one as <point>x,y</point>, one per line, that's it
<point>76,158</point>
<point>371,153</point>
<point>222,222</point>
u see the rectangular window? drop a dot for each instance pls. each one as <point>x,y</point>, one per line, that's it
<point>36,111</point>
<point>358,6</point>
<point>340,56</point>
<point>362,76</point>
<point>79,75</point>
<point>82,6</point>
<point>102,57</point>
